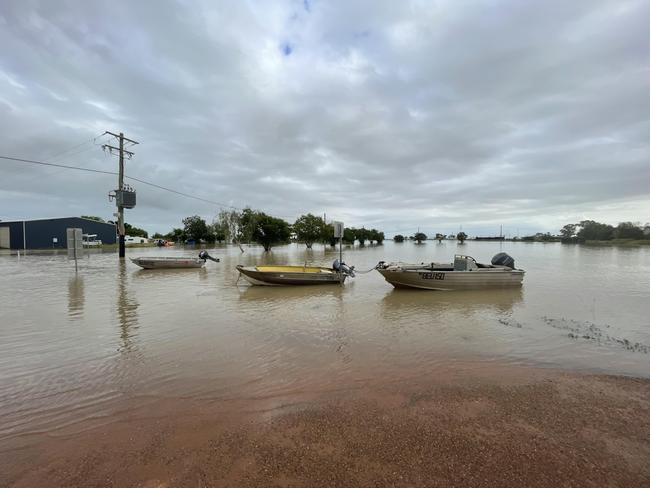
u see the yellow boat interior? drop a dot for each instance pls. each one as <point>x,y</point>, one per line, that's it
<point>292,269</point>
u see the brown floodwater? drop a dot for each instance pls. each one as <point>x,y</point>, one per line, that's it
<point>82,349</point>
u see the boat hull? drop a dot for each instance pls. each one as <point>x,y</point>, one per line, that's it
<point>290,276</point>
<point>453,280</point>
<point>168,263</point>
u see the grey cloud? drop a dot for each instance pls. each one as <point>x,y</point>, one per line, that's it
<point>389,114</point>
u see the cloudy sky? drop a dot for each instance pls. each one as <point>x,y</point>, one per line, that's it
<point>388,114</point>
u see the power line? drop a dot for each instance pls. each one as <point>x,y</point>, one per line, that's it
<point>66,166</point>
<point>74,147</point>
<point>114,173</point>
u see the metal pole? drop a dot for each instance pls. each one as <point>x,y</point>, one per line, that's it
<point>341,259</point>
<point>120,209</point>
<point>24,237</point>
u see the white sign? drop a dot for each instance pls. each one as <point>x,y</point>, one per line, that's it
<point>74,239</point>
<point>55,240</point>
<point>338,229</point>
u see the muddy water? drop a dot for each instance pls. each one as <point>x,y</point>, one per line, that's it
<point>77,350</point>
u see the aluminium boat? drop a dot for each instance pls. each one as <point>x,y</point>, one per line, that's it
<point>465,273</point>
<point>295,275</point>
<point>171,262</point>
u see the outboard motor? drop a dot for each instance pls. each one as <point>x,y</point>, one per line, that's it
<point>503,259</point>
<point>205,256</point>
<point>343,268</point>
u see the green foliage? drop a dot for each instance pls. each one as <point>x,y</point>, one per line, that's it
<point>195,228</point>
<point>264,229</point>
<point>228,225</point>
<point>134,231</point>
<point>176,235</point>
<point>92,217</point>
<point>461,236</point>
<point>362,235</point>
<point>349,235</point>
<point>328,235</point>
<point>595,231</point>
<point>375,235</point>
<point>398,238</point>
<point>440,237</point>
<point>309,229</point>
<point>419,237</point>
<point>568,231</point>
<point>158,235</point>
<point>628,230</point>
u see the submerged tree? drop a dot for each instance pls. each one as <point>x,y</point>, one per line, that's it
<point>264,229</point>
<point>309,229</point>
<point>440,236</point>
<point>595,231</point>
<point>349,235</point>
<point>419,237</point>
<point>461,236</point>
<point>398,238</point>
<point>195,228</point>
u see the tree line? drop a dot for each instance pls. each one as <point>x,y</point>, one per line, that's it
<point>252,226</point>
<point>421,236</point>
<point>590,230</point>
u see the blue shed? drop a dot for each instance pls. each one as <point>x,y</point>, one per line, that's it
<point>51,233</point>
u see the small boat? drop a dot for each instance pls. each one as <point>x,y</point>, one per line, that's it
<point>169,262</point>
<point>463,274</point>
<point>296,275</point>
<point>90,240</point>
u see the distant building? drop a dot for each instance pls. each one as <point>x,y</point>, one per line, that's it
<point>50,233</point>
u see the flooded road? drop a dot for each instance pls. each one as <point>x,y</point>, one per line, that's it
<point>81,350</point>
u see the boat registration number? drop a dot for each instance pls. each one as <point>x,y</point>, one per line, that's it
<point>432,276</point>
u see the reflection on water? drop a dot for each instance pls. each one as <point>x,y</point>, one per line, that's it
<point>127,309</point>
<point>76,296</point>
<point>398,302</point>
<point>116,332</point>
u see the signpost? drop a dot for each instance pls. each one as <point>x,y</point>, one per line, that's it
<point>338,233</point>
<point>74,241</point>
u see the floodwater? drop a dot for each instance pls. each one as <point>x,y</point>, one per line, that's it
<point>81,349</point>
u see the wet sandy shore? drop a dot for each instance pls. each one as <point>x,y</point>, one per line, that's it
<point>470,426</point>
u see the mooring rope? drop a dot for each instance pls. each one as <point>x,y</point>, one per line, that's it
<point>367,271</point>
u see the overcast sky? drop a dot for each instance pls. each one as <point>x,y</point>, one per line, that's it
<point>388,114</point>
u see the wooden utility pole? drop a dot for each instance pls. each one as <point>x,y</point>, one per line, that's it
<point>120,181</point>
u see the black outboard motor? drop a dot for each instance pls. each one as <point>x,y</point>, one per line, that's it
<point>205,256</point>
<point>503,259</point>
<point>343,268</point>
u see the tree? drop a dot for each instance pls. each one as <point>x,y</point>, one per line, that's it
<point>92,217</point>
<point>309,229</point>
<point>134,231</point>
<point>628,230</point>
<point>568,231</point>
<point>398,238</point>
<point>377,236</point>
<point>195,228</point>
<point>362,235</point>
<point>328,235</point>
<point>461,236</point>
<point>595,231</point>
<point>419,237</point>
<point>349,235</point>
<point>176,235</point>
<point>157,235</point>
<point>264,229</point>
<point>440,237</point>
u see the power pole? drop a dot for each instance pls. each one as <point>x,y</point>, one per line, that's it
<point>120,181</point>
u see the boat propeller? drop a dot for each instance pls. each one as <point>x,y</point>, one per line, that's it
<point>205,256</point>
<point>341,267</point>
